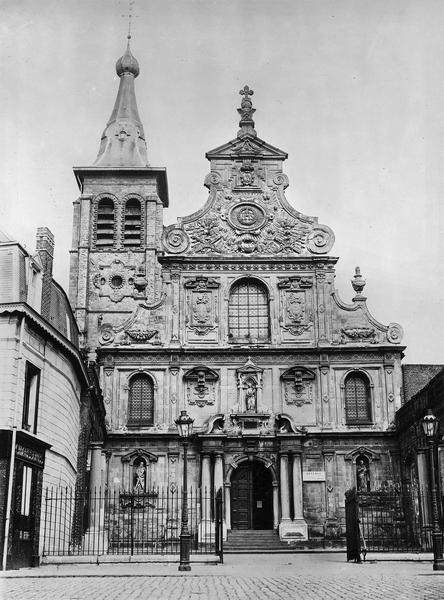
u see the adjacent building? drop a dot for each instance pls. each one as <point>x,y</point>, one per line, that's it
<point>51,406</point>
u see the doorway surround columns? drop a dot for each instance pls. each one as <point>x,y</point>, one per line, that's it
<point>291,529</point>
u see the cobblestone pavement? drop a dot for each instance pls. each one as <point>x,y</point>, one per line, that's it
<point>242,578</point>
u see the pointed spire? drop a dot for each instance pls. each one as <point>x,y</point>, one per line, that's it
<point>123,141</point>
<point>246,112</point>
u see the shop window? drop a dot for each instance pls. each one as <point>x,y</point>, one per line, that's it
<point>25,502</point>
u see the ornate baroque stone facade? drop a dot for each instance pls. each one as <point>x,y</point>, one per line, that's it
<point>231,314</point>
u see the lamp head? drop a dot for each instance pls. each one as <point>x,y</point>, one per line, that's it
<point>430,425</point>
<point>184,424</point>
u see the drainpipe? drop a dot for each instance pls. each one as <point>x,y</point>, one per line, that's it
<point>13,440</point>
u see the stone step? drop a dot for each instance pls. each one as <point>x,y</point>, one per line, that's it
<point>254,540</point>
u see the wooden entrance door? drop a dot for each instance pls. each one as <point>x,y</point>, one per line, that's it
<point>251,497</point>
<point>24,517</point>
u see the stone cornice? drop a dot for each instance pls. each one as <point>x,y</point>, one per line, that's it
<point>320,355</point>
<point>229,262</point>
<point>29,313</point>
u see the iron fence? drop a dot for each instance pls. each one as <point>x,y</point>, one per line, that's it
<point>388,521</point>
<point>122,522</point>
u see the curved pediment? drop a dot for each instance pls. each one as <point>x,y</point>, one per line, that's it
<point>354,324</point>
<point>247,214</point>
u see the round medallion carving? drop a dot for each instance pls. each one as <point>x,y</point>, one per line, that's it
<point>247,216</point>
<point>175,240</point>
<point>320,240</point>
<point>394,333</point>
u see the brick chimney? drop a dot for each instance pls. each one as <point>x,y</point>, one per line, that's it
<point>45,248</point>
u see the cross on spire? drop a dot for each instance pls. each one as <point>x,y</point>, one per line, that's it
<point>130,16</point>
<point>246,92</point>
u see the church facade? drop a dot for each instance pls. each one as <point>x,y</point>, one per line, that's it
<point>232,315</point>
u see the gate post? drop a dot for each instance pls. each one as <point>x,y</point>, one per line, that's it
<point>352,525</point>
<point>219,525</point>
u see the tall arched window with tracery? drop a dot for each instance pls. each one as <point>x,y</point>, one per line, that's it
<point>132,223</point>
<point>105,223</point>
<point>141,401</point>
<point>248,312</point>
<point>358,409</point>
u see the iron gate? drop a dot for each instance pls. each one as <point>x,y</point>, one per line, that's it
<point>120,522</point>
<point>387,521</point>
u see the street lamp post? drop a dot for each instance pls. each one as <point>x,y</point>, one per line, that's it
<point>185,428</point>
<point>430,426</point>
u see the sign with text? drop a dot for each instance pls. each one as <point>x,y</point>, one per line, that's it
<point>313,475</point>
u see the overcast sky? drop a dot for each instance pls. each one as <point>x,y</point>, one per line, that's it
<point>353,91</point>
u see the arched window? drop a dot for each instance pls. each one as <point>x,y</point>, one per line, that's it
<point>357,399</point>
<point>141,401</point>
<point>248,312</point>
<point>105,223</point>
<point>132,223</point>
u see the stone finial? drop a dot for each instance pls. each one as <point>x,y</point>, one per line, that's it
<point>358,284</point>
<point>246,112</point>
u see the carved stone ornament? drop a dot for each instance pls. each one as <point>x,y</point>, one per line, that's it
<point>175,240</point>
<point>358,283</point>
<point>258,423</point>
<point>216,424</point>
<point>202,305</point>
<point>359,334</point>
<point>395,333</point>
<point>141,328</point>
<point>298,386</point>
<point>114,280</point>
<point>200,386</point>
<point>247,216</point>
<point>247,212</point>
<point>296,312</point>
<point>320,240</point>
<point>285,424</point>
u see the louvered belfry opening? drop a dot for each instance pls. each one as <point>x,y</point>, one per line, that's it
<point>141,402</point>
<point>132,228</point>
<point>357,399</point>
<point>248,313</point>
<point>105,223</point>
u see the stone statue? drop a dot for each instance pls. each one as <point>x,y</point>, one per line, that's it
<point>363,478</point>
<point>140,481</point>
<point>250,396</point>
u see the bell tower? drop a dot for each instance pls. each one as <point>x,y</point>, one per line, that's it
<point>118,219</point>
